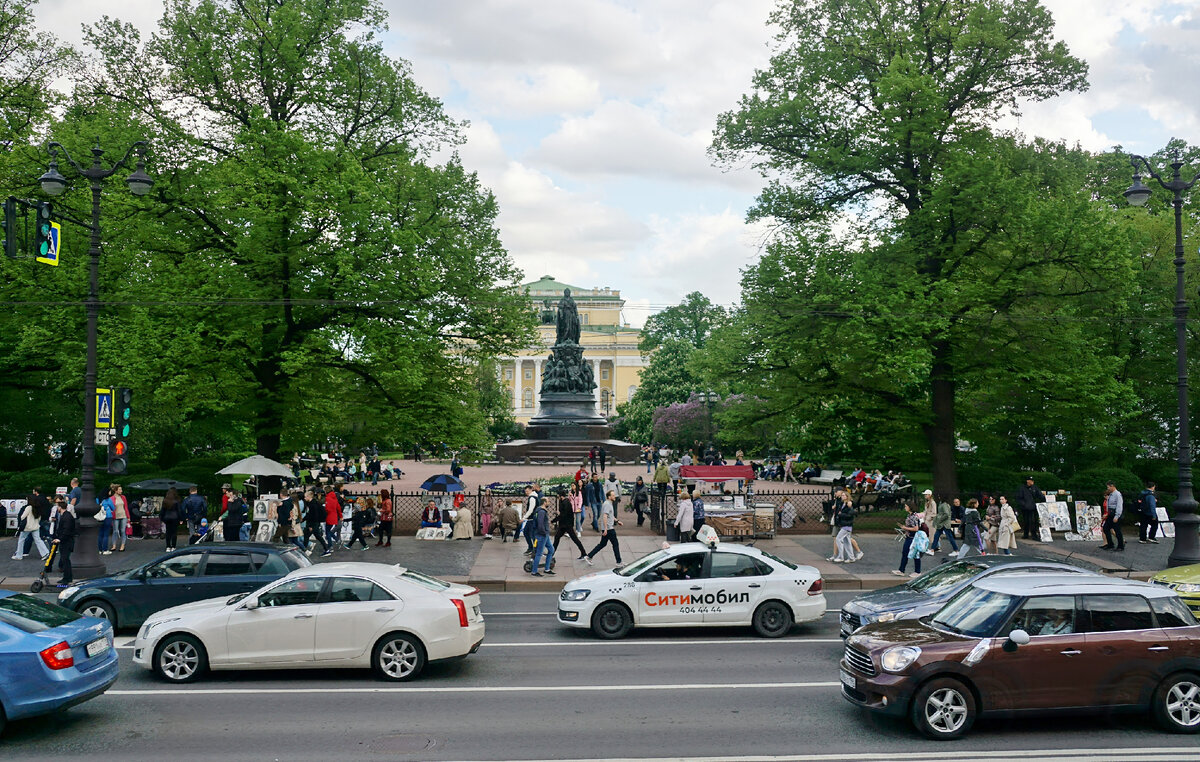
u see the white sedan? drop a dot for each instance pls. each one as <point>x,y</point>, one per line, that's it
<point>389,618</point>
<point>693,584</point>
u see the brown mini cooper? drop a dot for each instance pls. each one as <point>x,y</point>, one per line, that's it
<point>1030,644</point>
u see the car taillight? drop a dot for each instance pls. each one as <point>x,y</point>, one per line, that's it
<point>462,611</point>
<point>816,587</point>
<point>58,656</point>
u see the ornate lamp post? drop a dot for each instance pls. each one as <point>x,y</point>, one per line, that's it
<point>1187,523</point>
<point>85,560</point>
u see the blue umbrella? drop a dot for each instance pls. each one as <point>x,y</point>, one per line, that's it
<point>443,483</point>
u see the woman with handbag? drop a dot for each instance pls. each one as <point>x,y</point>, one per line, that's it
<point>105,517</point>
<point>991,522</point>
<point>1009,526</point>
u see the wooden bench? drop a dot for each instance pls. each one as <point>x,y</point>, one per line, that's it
<point>826,477</point>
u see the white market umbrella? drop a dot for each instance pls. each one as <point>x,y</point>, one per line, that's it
<point>257,465</point>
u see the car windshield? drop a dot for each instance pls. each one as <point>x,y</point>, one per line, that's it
<point>424,580</point>
<point>31,614</point>
<point>945,577</point>
<point>643,563</point>
<point>975,612</point>
<point>778,560</point>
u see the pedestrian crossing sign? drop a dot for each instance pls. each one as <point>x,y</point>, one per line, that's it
<point>104,408</point>
<point>50,257</point>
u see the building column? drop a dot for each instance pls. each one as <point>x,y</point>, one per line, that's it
<point>516,385</point>
<point>596,377</point>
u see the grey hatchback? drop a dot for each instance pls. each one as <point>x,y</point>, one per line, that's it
<point>927,593</point>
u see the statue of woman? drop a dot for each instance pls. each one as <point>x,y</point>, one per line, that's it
<point>568,320</point>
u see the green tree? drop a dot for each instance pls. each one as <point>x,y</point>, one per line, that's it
<point>692,320</point>
<point>665,380</point>
<point>882,110</point>
<point>305,255</point>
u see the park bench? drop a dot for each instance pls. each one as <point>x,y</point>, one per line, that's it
<point>826,477</point>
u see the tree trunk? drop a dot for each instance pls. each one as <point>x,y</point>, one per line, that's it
<point>940,434</point>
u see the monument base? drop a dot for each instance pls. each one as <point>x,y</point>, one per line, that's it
<point>568,409</point>
<point>569,453</point>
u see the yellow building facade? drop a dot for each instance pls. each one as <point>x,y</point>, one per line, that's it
<point>609,344</point>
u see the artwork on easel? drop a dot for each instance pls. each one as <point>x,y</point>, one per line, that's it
<point>1054,516</point>
<point>1090,523</point>
<point>1166,527</point>
<point>1045,535</point>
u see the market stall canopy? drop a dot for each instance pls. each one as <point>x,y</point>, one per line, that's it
<point>716,473</point>
<point>443,483</point>
<point>160,485</point>
<point>257,465</point>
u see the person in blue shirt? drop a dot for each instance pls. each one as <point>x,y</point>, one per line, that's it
<point>1149,518</point>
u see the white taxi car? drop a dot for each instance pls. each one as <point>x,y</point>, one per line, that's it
<point>389,618</point>
<point>695,584</point>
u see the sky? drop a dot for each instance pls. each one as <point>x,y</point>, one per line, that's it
<point>590,119</point>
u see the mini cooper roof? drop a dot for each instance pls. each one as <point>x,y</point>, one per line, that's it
<point>1069,584</point>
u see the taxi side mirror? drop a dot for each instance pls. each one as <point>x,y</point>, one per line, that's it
<point>250,604</point>
<point>1016,638</point>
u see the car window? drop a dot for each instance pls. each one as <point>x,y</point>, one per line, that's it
<point>945,577</point>
<point>1046,615</point>
<point>975,612</point>
<point>764,568</point>
<point>425,581</point>
<point>266,563</point>
<point>227,564</point>
<point>642,564</point>
<point>30,614</point>
<point>733,565</point>
<point>183,565</point>
<point>1116,613</point>
<point>294,592</point>
<point>778,560</point>
<point>348,589</point>
<point>294,559</point>
<point>1172,612</point>
<point>683,566</point>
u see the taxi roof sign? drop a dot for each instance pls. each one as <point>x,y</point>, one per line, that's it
<point>708,536</point>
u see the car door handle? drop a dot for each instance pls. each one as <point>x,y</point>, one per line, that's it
<point>383,610</point>
<point>754,584</point>
<point>1071,652</point>
<point>1158,648</point>
<point>697,588</point>
<point>303,616</point>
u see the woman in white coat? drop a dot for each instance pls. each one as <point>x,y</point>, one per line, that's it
<point>1007,541</point>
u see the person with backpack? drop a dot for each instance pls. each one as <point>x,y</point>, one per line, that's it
<point>1147,508</point>
<point>541,539</point>
<point>359,521</point>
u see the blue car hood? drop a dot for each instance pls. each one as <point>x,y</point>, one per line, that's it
<point>892,599</point>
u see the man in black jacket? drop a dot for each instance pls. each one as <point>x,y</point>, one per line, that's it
<point>1028,498</point>
<point>234,518</point>
<point>195,508</point>
<point>541,538</point>
<point>64,538</point>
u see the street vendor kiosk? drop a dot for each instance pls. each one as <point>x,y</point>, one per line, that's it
<point>730,512</point>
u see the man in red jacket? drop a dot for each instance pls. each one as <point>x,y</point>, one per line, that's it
<point>333,518</point>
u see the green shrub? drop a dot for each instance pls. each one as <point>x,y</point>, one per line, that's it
<point>988,479</point>
<point>1091,481</point>
<point>22,483</point>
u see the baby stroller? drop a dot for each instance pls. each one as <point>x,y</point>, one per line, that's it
<point>40,582</point>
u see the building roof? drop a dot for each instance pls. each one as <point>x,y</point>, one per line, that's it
<point>547,287</point>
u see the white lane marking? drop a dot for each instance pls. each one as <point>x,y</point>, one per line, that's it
<point>487,614</point>
<point>742,641</point>
<point>1027,755</point>
<point>466,689</point>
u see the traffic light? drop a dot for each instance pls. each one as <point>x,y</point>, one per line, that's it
<point>10,228</point>
<point>43,242</point>
<point>118,445</point>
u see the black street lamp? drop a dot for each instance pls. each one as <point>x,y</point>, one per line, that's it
<point>86,561</point>
<point>1187,523</point>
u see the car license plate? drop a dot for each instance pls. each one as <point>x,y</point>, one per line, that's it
<point>848,679</point>
<point>97,647</point>
<point>846,629</point>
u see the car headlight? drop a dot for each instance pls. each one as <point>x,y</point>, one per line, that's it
<point>145,631</point>
<point>1187,587</point>
<point>65,594</point>
<point>891,616</point>
<point>897,658</point>
<point>576,595</point>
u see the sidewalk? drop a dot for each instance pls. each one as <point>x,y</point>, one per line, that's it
<point>493,565</point>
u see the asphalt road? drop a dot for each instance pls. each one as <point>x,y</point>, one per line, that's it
<point>536,691</point>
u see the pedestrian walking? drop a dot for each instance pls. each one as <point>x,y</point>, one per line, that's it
<point>1027,500</point>
<point>565,523</point>
<point>673,473</point>
<point>541,539</point>
<point>195,510</point>
<point>30,532</point>
<point>1148,510</point>
<point>1007,536</point>
<point>608,530</point>
<point>170,514</point>
<point>576,499</point>
<point>385,518</point>
<point>65,531</point>
<point>684,519</point>
<point>531,503</point>
<point>314,524</point>
<point>943,524</point>
<point>105,514</point>
<point>41,512</point>
<point>697,510</point>
<point>972,523</point>
<point>333,519</point>
<point>1114,507</point>
<point>911,548</point>
<point>359,521</point>
<point>602,456</point>
<point>843,519</point>
<point>640,498</point>
<point>594,497</point>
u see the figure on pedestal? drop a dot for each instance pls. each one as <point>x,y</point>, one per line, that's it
<point>566,372</point>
